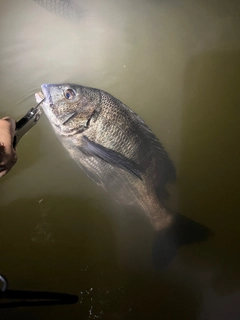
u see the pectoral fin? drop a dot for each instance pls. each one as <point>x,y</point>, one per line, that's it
<point>110,156</point>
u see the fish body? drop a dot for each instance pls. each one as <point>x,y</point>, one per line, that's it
<point>113,145</point>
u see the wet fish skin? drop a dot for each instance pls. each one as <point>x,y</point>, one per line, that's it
<point>113,145</point>
<point>67,9</point>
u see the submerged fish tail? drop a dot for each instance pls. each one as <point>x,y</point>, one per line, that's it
<point>158,215</point>
<point>181,231</point>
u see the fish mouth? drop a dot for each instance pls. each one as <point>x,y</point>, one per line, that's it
<point>46,94</point>
<point>39,97</point>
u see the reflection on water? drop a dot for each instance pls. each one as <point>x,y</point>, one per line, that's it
<point>177,65</point>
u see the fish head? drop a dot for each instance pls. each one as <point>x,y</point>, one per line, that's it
<point>69,107</point>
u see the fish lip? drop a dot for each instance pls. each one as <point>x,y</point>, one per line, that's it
<point>39,97</point>
<point>46,93</point>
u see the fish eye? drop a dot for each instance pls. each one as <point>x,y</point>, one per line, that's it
<point>69,94</point>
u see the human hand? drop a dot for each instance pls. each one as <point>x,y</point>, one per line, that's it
<point>8,155</point>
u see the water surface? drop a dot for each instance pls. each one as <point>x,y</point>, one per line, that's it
<point>175,63</point>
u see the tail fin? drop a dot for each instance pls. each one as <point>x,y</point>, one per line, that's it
<point>189,231</point>
<point>183,231</point>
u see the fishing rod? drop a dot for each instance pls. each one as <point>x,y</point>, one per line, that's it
<point>22,298</point>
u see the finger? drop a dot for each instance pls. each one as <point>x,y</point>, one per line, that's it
<point>3,170</point>
<point>12,124</point>
<point>3,173</point>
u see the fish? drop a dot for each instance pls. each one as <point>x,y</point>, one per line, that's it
<point>119,152</point>
<point>113,145</point>
<point>66,9</point>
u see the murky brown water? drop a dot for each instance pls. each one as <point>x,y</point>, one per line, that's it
<point>177,64</point>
